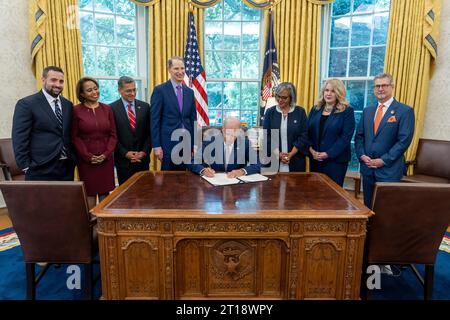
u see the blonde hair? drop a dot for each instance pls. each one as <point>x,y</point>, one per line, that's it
<point>340,91</point>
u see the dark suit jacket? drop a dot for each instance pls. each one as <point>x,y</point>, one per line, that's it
<point>297,134</point>
<point>166,116</point>
<point>216,161</point>
<point>389,143</point>
<point>337,133</point>
<point>36,136</point>
<point>127,140</point>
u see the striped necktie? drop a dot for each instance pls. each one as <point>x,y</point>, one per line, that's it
<point>131,117</point>
<point>59,117</point>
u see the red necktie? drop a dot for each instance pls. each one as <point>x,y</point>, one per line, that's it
<point>378,118</point>
<point>132,117</point>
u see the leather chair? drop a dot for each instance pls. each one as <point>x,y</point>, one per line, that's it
<point>408,226</point>
<point>52,221</point>
<point>8,162</point>
<point>431,164</point>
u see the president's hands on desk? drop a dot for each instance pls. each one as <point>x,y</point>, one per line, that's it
<point>209,172</point>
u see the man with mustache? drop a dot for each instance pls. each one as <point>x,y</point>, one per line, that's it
<point>41,131</point>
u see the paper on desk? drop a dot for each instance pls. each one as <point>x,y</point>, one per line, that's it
<point>256,177</point>
<point>221,179</point>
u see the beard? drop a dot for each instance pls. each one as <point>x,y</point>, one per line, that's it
<point>54,92</point>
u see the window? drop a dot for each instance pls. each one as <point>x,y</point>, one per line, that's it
<point>355,40</point>
<point>110,34</point>
<point>232,60</point>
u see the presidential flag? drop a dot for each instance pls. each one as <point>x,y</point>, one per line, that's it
<point>195,77</point>
<point>271,72</point>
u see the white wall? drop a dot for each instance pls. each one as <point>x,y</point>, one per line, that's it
<point>437,118</point>
<point>15,65</point>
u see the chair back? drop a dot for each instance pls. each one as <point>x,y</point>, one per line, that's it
<point>8,162</point>
<point>432,158</point>
<point>51,220</point>
<point>409,222</point>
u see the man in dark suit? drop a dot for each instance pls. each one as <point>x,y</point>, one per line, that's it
<point>384,133</point>
<point>227,152</point>
<point>132,116</point>
<point>172,108</point>
<point>41,131</point>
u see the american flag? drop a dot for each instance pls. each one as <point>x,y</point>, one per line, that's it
<point>195,77</point>
<point>271,70</point>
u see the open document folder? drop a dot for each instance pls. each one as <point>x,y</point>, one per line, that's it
<point>221,179</point>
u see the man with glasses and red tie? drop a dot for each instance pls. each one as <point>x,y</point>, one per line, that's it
<point>172,108</point>
<point>132,116</point>
<point>41,131</point>
<point>384,133</point>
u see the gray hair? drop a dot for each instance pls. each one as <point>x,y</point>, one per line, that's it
<point>385,76</point>
<point>229,120</point>
<point>170,61</point>
<point>125,80</point>
<point>290,88</point>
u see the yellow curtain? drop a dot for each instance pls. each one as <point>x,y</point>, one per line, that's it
<point>167,37</point>
<point>297,39</point>
<point>55,40</point>
<point>410,55</point>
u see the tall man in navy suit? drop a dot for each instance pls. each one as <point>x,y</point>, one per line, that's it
<point>41,131</point>
<point>384,133</point>
<point>172,107</point>
<point>132,117</point>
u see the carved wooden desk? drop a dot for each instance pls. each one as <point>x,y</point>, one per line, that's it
<point>172,235</point>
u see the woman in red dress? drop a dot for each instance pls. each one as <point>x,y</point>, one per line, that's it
<point>94,137</point>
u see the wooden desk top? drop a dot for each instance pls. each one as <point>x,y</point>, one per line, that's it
<point>186,195</point>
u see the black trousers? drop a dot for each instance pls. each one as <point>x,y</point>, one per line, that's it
<point>124,173</point>
<point>55,170</point>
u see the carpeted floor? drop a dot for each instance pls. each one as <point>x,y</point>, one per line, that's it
<point>401,286</point>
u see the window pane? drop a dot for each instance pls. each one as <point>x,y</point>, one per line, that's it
<point>340,29</point>
<point>87,27</point>
<point>232,95</point>
<point>214,13</point>
<point>108,91</point>
<point>104,6</point>
<point>377,62</point>
<point>354,162</point>
<point>125,7</point>
<point>341,7</point>
<point>231,113</point>
<point>215,117</point>
<point>250,36</point>
<point>361,27</point>
<point>213,64</point>
<point>85,4</point>
<point>356,92</point>
<point>338,63</point>
<point>232,65</point>
<point>251,14</point>
<point>382,5</point>
<point>104,25</point>
<point>214,90</point>
<point>371,99</point>
<point>126,35</point>
<point>380,28</point>
<point>213,35</point>
<point>359,59</point>
<point>250,65</point>
<point>361,6</point>
<point>250,95</point>
<point>249,116</point>
<point>89,60</point>
<point>232,35</point>
<point>126,62</point>
<point>106,61</point>
<point>231,10</point>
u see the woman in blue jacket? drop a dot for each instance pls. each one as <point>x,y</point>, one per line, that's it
<point>331,124</point>
<point>292,123</point>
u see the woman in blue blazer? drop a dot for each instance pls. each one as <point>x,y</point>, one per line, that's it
<point>291,121</point>
<point>331,124</point>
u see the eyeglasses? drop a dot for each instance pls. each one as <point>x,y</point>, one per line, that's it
<point>382,86</point>
<point>282,97</point>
